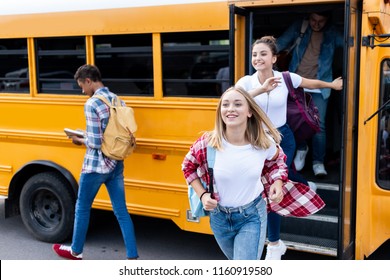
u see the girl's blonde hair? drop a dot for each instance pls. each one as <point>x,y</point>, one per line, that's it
<point>259,128</point>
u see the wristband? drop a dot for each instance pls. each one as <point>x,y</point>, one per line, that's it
<point>200,198</point>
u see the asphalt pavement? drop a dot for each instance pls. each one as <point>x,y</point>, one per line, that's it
<point>157,239</point>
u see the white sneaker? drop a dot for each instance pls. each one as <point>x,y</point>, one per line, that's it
<point>275,252</point>
<point>312,185</point>
<point>319,169</point>
<point>299,160</point>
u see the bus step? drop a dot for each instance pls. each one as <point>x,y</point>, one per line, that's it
<point>317,225</point>
<point>327,186</point>
<point>310,244</point>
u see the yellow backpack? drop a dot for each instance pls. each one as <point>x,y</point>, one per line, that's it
<point>118,137</point>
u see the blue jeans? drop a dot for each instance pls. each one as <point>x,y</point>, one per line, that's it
<point>240,231</point>
<point>319,139</point>
<point>288,146</point>
<point>90,184</point>
<point>288,143</point>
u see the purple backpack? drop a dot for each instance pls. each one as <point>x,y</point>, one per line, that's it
<point>302,114</point>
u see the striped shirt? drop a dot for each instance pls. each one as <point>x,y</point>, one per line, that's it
<point>97,114</point>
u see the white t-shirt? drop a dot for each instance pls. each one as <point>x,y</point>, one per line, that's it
<point>274,104</point>
<point>237,173</point>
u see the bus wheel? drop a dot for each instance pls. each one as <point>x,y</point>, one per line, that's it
<point>47,207</point>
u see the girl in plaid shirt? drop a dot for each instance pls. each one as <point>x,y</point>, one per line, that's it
<point>249,171</point>
<point>244,140</point>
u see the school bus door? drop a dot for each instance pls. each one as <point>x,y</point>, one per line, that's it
<point>240,35</point>
<point>347,215</point>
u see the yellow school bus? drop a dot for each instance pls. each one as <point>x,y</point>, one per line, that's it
<point>165,59</point>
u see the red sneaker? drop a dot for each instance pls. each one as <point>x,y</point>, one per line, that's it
<point>66,252</point>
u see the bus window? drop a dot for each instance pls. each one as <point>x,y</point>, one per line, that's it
<point>191,62</point>
<point>383,166</point>
<point>13,66</point>
<point>58,59</point>
<point>126,63</point>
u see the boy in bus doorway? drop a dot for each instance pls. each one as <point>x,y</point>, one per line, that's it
<point>97,169</point>
<point>312,43</point>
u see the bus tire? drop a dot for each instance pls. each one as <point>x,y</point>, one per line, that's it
<point>47,207</point>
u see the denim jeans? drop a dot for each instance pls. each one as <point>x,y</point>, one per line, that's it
<point>288,143</point>
<point>240,231</point>
<point>288,146</point>
<point>319,139</point>
<point>90,184</point>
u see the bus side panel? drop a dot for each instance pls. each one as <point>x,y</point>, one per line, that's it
<point>153,178</point>
<point>372,213</point>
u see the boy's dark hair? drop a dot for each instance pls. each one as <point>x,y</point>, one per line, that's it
<point>326,13</point>
<point>88,71</point>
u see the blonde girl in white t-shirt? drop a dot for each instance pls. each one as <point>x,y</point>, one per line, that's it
<point>244,139</point>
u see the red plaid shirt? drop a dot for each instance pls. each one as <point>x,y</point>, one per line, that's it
<point>299,200</point>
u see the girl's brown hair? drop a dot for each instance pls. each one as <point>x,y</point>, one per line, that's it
<point>270,41</point>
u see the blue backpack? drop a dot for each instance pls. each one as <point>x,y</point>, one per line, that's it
<point>196,205</point>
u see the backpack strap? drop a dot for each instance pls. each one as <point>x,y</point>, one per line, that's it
<point>105,100</point>
<point>290,87</point>
<point>115,101</point>
<point>210,156</point>
<point>305,24</point>
<point>210,162</point>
